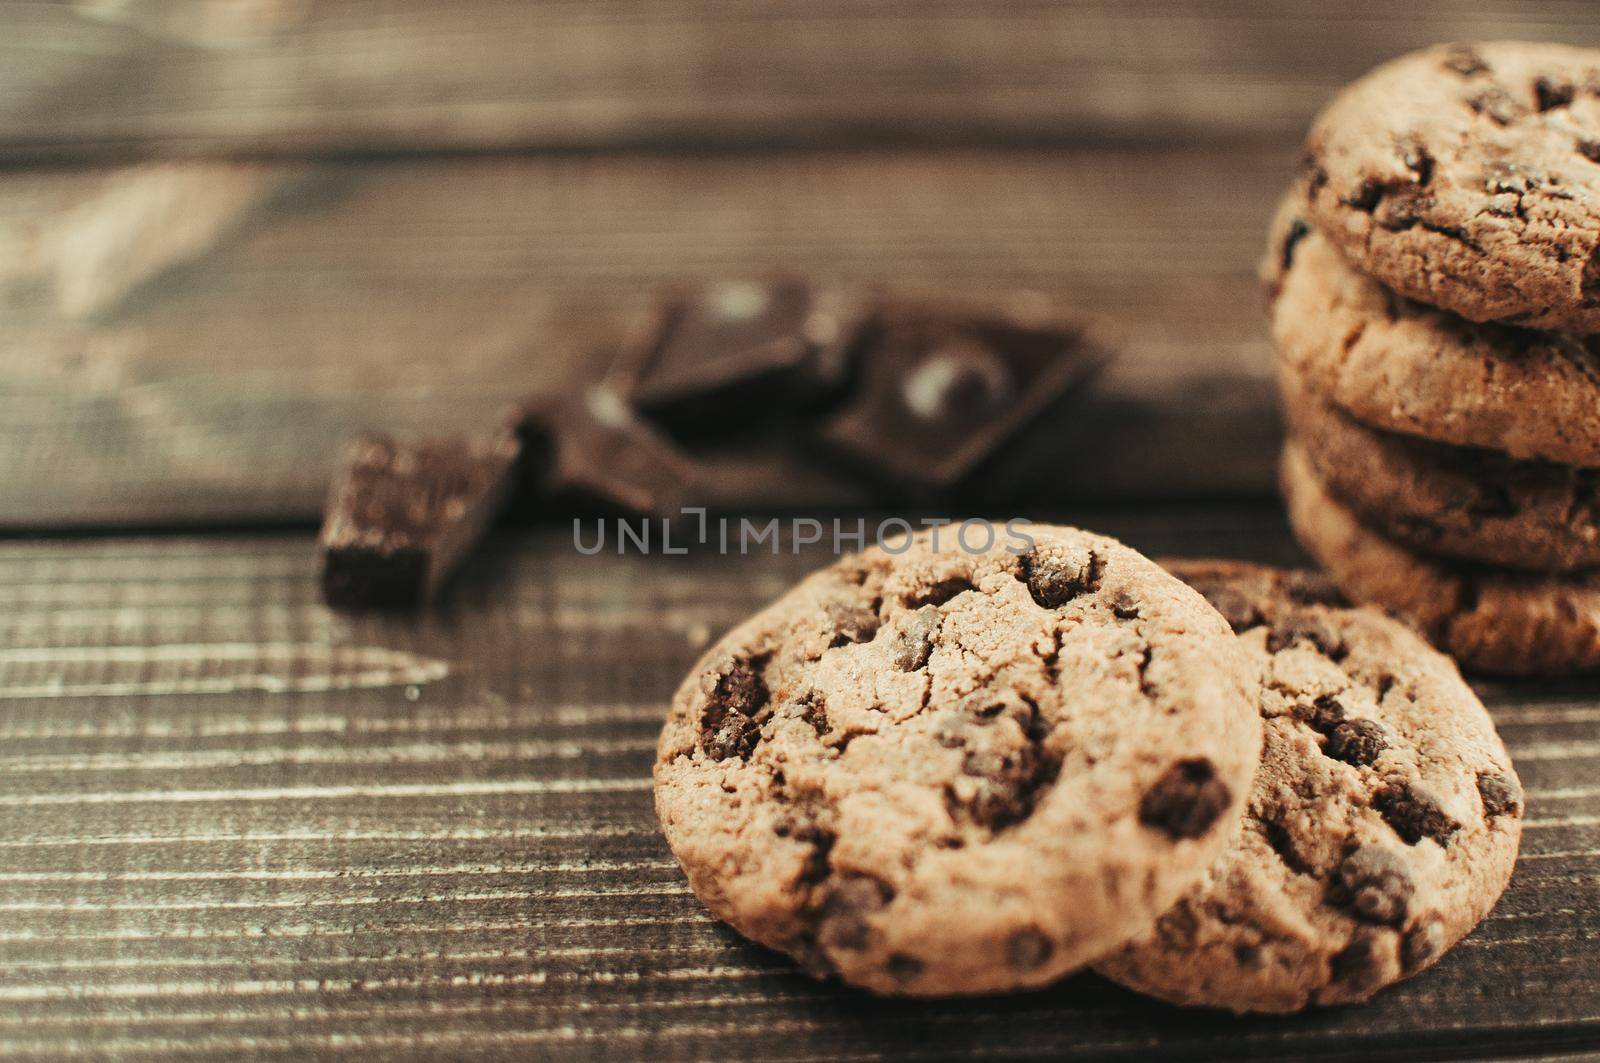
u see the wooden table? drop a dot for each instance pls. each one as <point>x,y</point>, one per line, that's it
<point>235,824</point>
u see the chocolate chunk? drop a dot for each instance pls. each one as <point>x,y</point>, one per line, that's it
<point>1357,741</point>
<point>1376,885</point>
<point>1053,580</point>
<point>1178,927</point>
<point>1028,949</point>
<point>1501,794</point>
<point>735,695</point>
<point>402,516</point>
<point>1359,964</point>
<point>842,914</point>
<point>603,455</point>
<point>1549,94</point>
<point>1187,800</point>
<point>1125,606</point>
<point>1496,104</point>
<point>1422,944</point>
<point>915,643</point>
<point>732,735</point>
<point>852,623</point>
<point>1589,149</point>
<point>737,686</point>
<point>1325,713</point>
<point>1404,209</point>
<point>1465,61</point>
<point>1007,785</point>
<point>942,389</point>
<point>1414,814</point>
<point>733,353</point>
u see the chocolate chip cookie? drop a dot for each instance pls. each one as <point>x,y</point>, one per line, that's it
<point>1382,826</point>
<point>1399,365</point>
<point>1490,620</point>
<point>1462,502</point>
<point>928,771</point>
<point>1468,177</point>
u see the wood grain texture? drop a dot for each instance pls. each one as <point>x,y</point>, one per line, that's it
<point>235,824</point>
<point>86,78</point>
<point>156,372</point>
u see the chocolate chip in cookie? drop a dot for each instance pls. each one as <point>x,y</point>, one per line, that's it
<point>1414,813</point>
<point>732,735</point>
<point>1464,60</point>
<point>1359,965</point>
<point>914,645</point>
<point>1501,794</point>
<point>1001,787</point>
<point>1376,885</point>
<point>1422,944</point>
<point>1357,742</point>
<point>737,687</point>
<point>1186,801</point>
<point>842,915</point>
<point>1028,948</point>
<point>735,694</point>
<point>852,623</point>
<point>1055,580</point>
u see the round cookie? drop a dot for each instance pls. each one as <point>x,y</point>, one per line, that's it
<point>1382,826</point>
<point>934,772</point>
<point>1490,620</point>
<point>1402,366</point>
<point>1461,502</point>
<point>1468,177</point>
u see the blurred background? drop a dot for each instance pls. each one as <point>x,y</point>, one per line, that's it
<point>234,232</point>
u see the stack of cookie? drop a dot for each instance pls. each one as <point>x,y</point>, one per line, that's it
<point>1435,286</point>
<point>932,771</point>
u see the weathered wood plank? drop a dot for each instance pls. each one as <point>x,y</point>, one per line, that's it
<point>90,77</point>
<point>466,862</point>
<point>152,371</point>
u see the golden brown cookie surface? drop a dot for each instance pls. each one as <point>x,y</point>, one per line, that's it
<point>1383,824</point>
<point>935,772</point>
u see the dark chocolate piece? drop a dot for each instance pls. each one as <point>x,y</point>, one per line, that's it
<point>943,388</point>
<point>732,353</point>
<point>402,516</point>
<point>593,450</point>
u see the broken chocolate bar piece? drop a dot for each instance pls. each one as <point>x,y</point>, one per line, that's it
<point>402,516</point>
<point>592,449</point>
<point>943,386</point>
<point>732,353</point>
